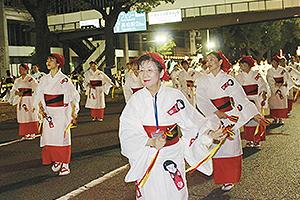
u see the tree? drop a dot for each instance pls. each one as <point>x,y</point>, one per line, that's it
<point>259,39</point>
<point>110,11</point>
<point>38,10</point>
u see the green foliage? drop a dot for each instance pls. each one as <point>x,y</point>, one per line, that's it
<point>164,49</point>
<point>260,39</point>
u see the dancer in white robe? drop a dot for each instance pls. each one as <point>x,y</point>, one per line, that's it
<point>186,78</point>
<point>277,78</point>
<point>58,102</point>
<point>96,84</point>
<point>219,93</point>
<point>22,93</point>
<point>256,90</point>
<point>132,81</point>
<point>148,130</point>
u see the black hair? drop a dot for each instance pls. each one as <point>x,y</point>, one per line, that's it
<point>169,162</point>
<point>184,61</point>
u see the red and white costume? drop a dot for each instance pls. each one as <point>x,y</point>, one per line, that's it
<point>254,86</point>
<point>26,115</point>
<point>96,84</point>
<point>132,84</point>
<point>57,94</point>
<point>277,80</point>
<point>222,92</point>
<point>144,115</point>
<point>186,81</point>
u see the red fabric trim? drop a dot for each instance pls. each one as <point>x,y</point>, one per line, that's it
<point>290,105</point>
<point>223,104</point>
<point>26,91</point>
<point>279,113</point>
<point>52,154</point>
<point>227,170</point>
<point>170,140</point>
<point>95,83</point>
<point>249,134</point>
<point>134,90</point>
<point>28,128</point>
<point>97,113</point>
<point>251,89</point>
<point>54,100</point>
<point>278,79</point>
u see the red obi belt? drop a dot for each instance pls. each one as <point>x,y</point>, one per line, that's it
<point>278,80</point>
<point>251,89</point>
<point>54,100</point>
<point>25,91</point>
<point>171,136</point>
<point>96,83</point>
<point>190,83</point>
<point>223,104</point>
<point>134,90</point>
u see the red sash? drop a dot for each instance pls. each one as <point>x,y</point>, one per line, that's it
<point>251,89</point>
<point>172,137</point>
<point>134,90</point>
<point>54,100</point>
<point>223,104</point>
<point>96,83</point>
<point>278,79</point>
<point>26,91</point>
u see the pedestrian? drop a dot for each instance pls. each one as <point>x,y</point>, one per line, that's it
<point>186,78</point>
<point>277,78</point>
<point>35,71</point>
<point>219,93</point>
<point>23,92</point>
<point>132,81</point>
<point>96,84</point>
<point>255,88</point>
<point>58,102</point>
<point>149,137</point>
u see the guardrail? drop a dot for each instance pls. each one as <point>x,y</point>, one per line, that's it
<point>227,8</point>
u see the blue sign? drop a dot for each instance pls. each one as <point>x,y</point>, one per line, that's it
<point>130,22</point>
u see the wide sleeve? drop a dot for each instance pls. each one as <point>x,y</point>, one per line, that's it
<point>86,81</point>
<point>13,98</point>
<point>271,82</point>
<point>203,101</point>
<point>247,109</point>
<point>195,128</point>
<point>133,139</point>
<point>126,87</point>
<point>262,84</point>
<point>73,96</point>
<point>39,94</point>
<point>107,83</point>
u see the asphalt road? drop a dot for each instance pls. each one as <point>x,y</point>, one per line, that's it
<point>95,152</point>
<point>271,172</point>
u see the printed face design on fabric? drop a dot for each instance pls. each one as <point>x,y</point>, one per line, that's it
<point>227,84</point>
<point>65,80</point>
<point>179,105</point>
<point>171,167</point>
<point>239,107</point>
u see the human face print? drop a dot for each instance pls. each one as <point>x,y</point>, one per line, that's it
<point>213,63</point>
<point>149,74</point>
<point>51,63</point>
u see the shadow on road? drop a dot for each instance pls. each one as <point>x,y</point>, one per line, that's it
<point>217,194</point>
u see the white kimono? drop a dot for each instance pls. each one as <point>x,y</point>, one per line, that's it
<point>172,108</point>
<point>279,91</point>
<point>57,94</point>
<point>25,111</point>
<point>224,93</point>
<point>187,83</point>
<point>132,84</point>
<point>95,95</point>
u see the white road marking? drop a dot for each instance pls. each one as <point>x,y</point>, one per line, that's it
<point>93,183</point>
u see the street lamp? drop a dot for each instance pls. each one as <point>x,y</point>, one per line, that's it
<point>210,45</point>
<point>161,38</point>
